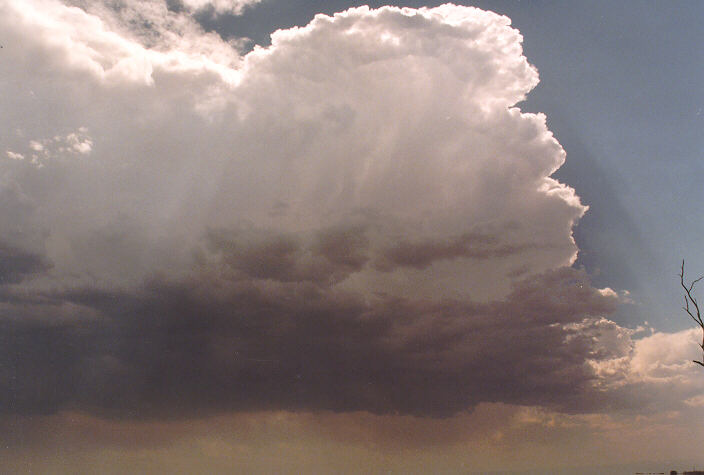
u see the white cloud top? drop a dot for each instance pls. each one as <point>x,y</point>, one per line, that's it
<point>406,116</point>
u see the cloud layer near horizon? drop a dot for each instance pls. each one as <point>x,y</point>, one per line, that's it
<point>355,218</point>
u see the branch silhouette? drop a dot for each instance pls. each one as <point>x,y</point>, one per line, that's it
<point>691,305</point>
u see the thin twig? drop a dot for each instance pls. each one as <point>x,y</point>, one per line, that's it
<point>688,297</point>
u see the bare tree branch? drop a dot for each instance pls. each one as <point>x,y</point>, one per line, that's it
<point>690,299</point>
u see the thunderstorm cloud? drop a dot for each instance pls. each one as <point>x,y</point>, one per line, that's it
<point>358,217</point>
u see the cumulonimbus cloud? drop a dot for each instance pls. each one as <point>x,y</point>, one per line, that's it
<point>358,217</point>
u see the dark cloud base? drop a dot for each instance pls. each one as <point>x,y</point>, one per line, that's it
<point>224,338</point>
<point>16,264</point>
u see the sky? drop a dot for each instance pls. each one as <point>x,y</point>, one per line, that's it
<point>270,236</point>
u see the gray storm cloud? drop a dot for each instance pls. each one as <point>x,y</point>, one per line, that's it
<point>215,342</point>
<point>358,217</point>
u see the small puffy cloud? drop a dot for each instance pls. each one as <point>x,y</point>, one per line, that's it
<point>658,358</point>
<point>666,356</point>
<point>36,146</point>
<point>234,7</point>
<point>79,143</point>
<point>40,152</point>
<point>650,373</point>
